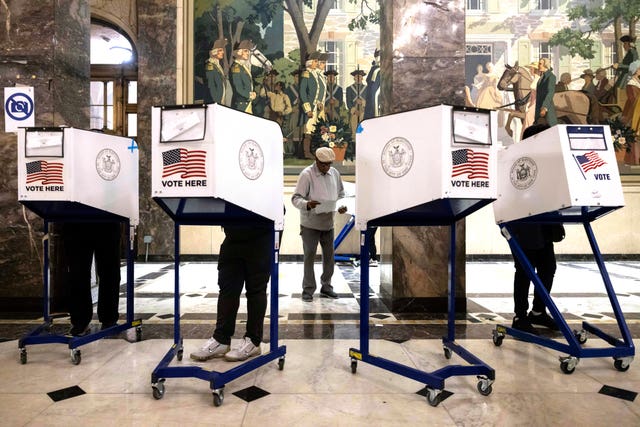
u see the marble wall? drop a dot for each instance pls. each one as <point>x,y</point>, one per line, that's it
<point>45,45</point>
<point>422,64</point>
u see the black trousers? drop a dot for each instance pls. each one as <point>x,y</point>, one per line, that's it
<point>243,263</point>
<point>82,241</point>
<point>543,262</point>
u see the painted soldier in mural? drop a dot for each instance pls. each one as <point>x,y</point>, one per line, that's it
<point>308,100</point>
<point>334,103</point>
<point>588,78</point>
<point>356,100</point>
<point>241,80</point>
<point>372,107</point>
<point>261,104</point>
<point>622,69</point>
<point>322,79</point>
<point>216,77</point>
<point>603,88</point>
<point>291,127</point>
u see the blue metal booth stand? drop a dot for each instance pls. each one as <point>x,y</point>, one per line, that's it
<point>424,180</point>
<point>94,180</point>
<point>229,173</point>
<point>578,164</point>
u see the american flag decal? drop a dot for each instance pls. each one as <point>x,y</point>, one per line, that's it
<point>589,161</point>
<point>47,172</point>
<point>473,163</point>
<point>187,163</point>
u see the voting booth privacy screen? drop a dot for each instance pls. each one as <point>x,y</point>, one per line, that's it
<point>565,169</point>
<point>93,169</point>
<point>212,151</point>
<point>415,157</point>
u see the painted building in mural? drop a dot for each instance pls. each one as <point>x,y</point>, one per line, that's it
<point>506,31</point>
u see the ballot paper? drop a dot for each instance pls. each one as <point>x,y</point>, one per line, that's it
<point>471,128</point>
<point>326,206</point>
<point>44,144</point>
<point>182,124</point>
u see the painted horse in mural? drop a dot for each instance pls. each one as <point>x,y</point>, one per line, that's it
<point>572,106</point>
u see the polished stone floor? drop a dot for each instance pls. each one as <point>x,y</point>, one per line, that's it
<point>316,387</point>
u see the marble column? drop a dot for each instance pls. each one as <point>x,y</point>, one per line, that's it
<point>157,41</point>
<point>45,45</point>
<point>422,64</point>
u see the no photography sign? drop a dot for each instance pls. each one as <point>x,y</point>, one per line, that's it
<point>18,108</point>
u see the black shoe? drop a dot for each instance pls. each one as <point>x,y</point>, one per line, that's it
<point>78,332</point>
<point>307,297</point>
<point>104,326</point>
<point>329,294</point>
<point>543,319</point>
<point>523,324</point>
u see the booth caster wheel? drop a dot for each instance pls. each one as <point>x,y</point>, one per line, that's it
<point>581,336</point>
<point>138,334</point>
<point>434,397</point>
<point>281,363</point>
<point>158,389</point>
<point>497,338</point>
<point>568,364</point>
<point>622,364</point>
<point>484,386</point>
<point>23,356</point>
<point>354,366</point>
<point>447,352</point>
<point>76,356</point>
<point>179,354</point>
<point>218,397</point>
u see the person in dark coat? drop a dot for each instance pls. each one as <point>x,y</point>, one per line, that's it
<point>241,80</point>
<point>536,241</point>
<point>216,77</point>
<point>544,94</point>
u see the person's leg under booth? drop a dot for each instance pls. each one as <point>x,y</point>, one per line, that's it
<point>310,239</point>
<point>328,263</point>
<point>107,254</point>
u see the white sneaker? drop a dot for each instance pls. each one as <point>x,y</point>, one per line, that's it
<point>373,262</point>
<point>243,351</point>
<point>209,350</point>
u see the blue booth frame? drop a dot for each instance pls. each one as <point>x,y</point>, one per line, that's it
<point>436,213</point>
<point>213,211</point>
<point>621,350</point>
<point>64,211</point>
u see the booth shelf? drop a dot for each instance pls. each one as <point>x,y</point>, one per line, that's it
<point>622,350</point>
<point>61,211</point>
<point>213,211</point>
<point>437,212</point>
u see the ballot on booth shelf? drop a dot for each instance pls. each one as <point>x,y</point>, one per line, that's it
<point>565,169</point>
<point>212,151</point>
<point>64,164</point>
<point>416,157</point>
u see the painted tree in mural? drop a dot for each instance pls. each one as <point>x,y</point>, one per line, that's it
<point>589,20</point>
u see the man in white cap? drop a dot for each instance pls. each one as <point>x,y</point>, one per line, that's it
<point>318,189</point>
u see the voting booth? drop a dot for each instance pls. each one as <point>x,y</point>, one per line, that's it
<point>74,175</point>
<point>212,165</point>
<point>426,167</point>
<point>564,174</point>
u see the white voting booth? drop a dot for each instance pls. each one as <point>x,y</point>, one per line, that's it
<point>431,166</point>
<point>563,169</point>
<point>211,151</point>
<point>92,171</point>
<point>74,175</point>
<point>212,165</point>
<point>435,154</point>
<point>564,174</point>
